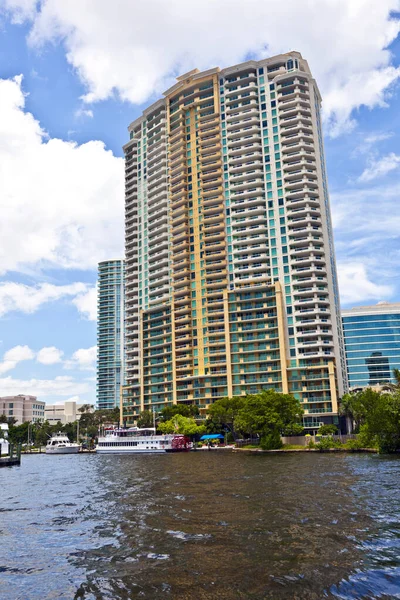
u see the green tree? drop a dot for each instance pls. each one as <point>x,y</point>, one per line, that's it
<point>328,430</point>
<point>182,425</point>
<point>146,419</point>
<point>268,414</point>
<point>186,410</point>
<point>394,386</point>
<point>9,420</point>
<point>42,433</point>
<point>225,413</point>
<point>293,429</point>
<point>356,406</point>
<point>18,434</point>
<point>213,425</point>
<point>382,424</point>
<point>377,418</point>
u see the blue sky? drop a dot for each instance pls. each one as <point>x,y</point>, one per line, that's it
<point>73,75</point>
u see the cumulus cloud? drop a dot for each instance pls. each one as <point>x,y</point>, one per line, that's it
<point>44,388</point>
<point>83,359</point>
<point>49,355</point>
<point>61,203</point>
<point>28,299</point>
<point>86,303</point>
<point>345,43</point>
<point>380,167</point>
<point>355,285</point>
<point>14,356</point>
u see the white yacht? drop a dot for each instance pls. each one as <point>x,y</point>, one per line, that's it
<point>140,441</point>
<point>59,444</point>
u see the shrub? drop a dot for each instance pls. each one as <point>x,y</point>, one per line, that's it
<point>272,441</point>
<point>354,445</point>
<point>328,443</point>
<point>327,430</point>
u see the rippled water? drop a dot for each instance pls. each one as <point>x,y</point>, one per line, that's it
<point>200,525</point>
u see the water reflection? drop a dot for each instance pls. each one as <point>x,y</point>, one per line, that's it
<point>201,525</point>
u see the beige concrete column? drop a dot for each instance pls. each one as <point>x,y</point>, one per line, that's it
<point>280,311</point>
<point>228,345</point>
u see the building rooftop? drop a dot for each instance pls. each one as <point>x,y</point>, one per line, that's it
<point>380,308</point>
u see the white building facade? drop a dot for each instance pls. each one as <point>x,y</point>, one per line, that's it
<point>68,412</point>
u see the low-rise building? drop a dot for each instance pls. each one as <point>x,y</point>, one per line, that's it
<point>22,408</point>
<point>67,412</point>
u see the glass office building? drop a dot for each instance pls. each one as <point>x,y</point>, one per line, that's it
<point>372,342</point>
<point>110,333</point>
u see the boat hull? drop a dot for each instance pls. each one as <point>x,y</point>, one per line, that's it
<point>73,450</point>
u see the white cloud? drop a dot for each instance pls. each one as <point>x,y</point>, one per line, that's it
<point>86,303</point>
<point>345,43</point>
<point>19,353</point>
<point>49,355</point>
<point>83,359</point>
<point>82,112</point>
<point>380,167</point>
<point>355,285</point>
<point>44,388</point>
<point>14,356</point>
<point>364,212</point>
<point>369,141</point>
<point>73,399</point>
<point>28,299</point>
<point>61,203</point>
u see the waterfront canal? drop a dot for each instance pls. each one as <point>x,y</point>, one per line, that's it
<point>200,525</point>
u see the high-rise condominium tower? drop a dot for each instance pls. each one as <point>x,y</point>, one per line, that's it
<point>230,270</point>
<point>110,333</point>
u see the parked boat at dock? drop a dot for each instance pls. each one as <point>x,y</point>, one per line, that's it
<point>59,444</point>
<point>140,441</point>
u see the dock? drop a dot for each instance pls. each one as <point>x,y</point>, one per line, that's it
<point>13,458</point>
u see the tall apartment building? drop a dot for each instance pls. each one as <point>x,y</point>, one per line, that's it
<point>110,333</point>
<point>372,343</point>
<point>23,408</point>
<point>231,282</point>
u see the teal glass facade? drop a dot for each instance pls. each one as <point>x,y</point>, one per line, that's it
<point>110,333</point>
<point>372,343</point>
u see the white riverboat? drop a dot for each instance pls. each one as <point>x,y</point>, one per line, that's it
<point>59,444</point>
<point>140,441</point>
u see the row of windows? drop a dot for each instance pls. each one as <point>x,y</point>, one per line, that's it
<point>368,380</point>
<point>371,332</point>
<point>371,347</point>
<point>374,368</point>
<point>363,319</point>
<point>125,443</point>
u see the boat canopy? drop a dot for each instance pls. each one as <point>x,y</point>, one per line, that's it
<point>212,436</point>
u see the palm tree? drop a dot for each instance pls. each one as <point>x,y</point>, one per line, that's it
<point>393,387</point>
